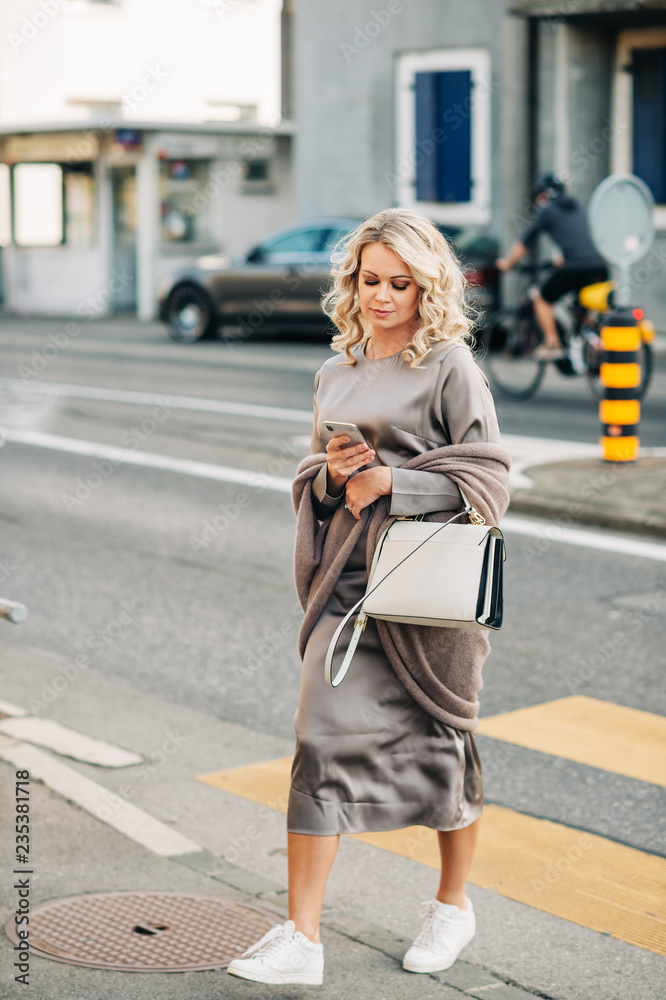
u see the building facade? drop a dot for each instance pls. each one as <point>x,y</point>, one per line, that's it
<point>133,139</point>
<point>454,109</point>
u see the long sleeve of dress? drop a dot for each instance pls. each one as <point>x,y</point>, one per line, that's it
<point>465,410</point>
<point>324,503</point>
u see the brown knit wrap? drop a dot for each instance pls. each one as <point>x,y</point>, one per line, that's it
<point>440,667</point>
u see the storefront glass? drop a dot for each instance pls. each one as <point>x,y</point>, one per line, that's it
<point>185,209</point>
<point>38,208</point>
<point>5,212</point>
<point>53,204</point>
<point>79,205</point>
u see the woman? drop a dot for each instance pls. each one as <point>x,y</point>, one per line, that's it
<point>393,746</point>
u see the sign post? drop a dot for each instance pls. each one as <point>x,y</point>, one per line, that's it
<point>620,215</point>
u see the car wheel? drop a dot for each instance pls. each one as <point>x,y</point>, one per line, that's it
<point>190,314</point>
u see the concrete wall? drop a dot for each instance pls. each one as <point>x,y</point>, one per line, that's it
<point>345,84</point>
<point>577,128</point>
<point>167,60</point>
<point>35,278</point>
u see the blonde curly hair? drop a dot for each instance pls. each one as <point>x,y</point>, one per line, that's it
<point>443,315</point>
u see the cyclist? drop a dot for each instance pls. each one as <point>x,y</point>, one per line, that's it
<point>579,264</point>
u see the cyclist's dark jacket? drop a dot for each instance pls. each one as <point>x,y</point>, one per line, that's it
<point>564,219</point>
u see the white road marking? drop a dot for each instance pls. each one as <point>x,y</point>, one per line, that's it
<point>101,803</point>
<point>525,451</point>
<point>129,456</point>
<point>549,530</point>
<point>157,399</point>
<point>68,742</point>
<point>23,410</point>
<point>6,708</point>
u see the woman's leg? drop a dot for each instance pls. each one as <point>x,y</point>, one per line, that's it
<point>546,320</point>
<point>456,848</point>
<point>310,861</point>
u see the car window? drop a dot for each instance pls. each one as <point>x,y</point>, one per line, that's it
<point>332,238</point>
<point>478,244</point>
<point>301,241</point>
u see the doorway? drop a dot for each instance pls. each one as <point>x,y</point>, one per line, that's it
<point>123,277</point>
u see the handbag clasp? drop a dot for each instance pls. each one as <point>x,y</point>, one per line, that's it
<point>474,516</point>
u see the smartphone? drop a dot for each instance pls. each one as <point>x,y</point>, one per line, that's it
<point>334,428</point>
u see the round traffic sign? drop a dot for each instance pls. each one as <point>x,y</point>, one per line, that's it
<point>620,214</point>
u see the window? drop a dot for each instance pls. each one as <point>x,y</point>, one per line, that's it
<point>255,170</point>
<point>300,241</point>
<point>255,177</point>
<point>445,175</point>
<point>649,119</point>
<point>38,204</point>
<point>5,210</point>
<point>53,204</point>
<point>79,204</point>
<point>443,131</point>
<point>334,236</point>
<point>186,198</point>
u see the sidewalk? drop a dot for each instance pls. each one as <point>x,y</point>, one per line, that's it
<point>236,852</point>
<point>624,496</point>
<point>362,960</point>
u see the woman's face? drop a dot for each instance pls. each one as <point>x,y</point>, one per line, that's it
<point>387,290</point>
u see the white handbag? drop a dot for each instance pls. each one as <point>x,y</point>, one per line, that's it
<point>427,573</point>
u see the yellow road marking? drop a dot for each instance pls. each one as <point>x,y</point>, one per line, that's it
<point>611,737</point>
<point>578,876</point>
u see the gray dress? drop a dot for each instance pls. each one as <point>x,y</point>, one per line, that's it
<point>368,757</point>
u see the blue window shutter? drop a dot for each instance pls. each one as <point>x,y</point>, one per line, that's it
<point>443,161</point>
<point>427,109</point>
<point>649,114</point>
<point>455,159</point>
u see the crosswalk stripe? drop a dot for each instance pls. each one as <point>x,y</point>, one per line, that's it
<point>97,800</point>
<point>67,742</point>
<point>578,876</point>
<point>598,733</point>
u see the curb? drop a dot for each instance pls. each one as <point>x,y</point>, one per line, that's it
<point>539,506</point>
<point>582,490</point>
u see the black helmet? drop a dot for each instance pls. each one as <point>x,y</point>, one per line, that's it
<point>550,184</point>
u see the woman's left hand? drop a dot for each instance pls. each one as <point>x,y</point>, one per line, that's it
<point>366,487</point>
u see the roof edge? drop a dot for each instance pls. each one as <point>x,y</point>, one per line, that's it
<point>109,124</point>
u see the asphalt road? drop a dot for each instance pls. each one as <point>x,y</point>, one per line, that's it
<point>133,355</point>
<point>210,564</point>
<point>203,569</point>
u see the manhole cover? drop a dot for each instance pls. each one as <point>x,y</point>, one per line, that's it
<point>144,931</point>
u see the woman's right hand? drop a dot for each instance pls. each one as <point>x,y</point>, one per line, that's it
<point>342,461</point>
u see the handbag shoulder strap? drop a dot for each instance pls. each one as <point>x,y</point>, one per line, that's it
<point>359,626</point>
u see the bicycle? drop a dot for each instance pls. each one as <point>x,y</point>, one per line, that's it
<point>511,335</point>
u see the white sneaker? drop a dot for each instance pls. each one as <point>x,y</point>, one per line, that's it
<point>445,932</point>
<point>282,957</point>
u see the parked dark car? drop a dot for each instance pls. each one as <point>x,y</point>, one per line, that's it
<point>279,282</point>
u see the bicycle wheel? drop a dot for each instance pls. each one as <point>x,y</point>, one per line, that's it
<point>593,360</point>
<point>509,340</point>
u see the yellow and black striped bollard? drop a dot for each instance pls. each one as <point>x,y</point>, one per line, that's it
<point>620,408</point>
